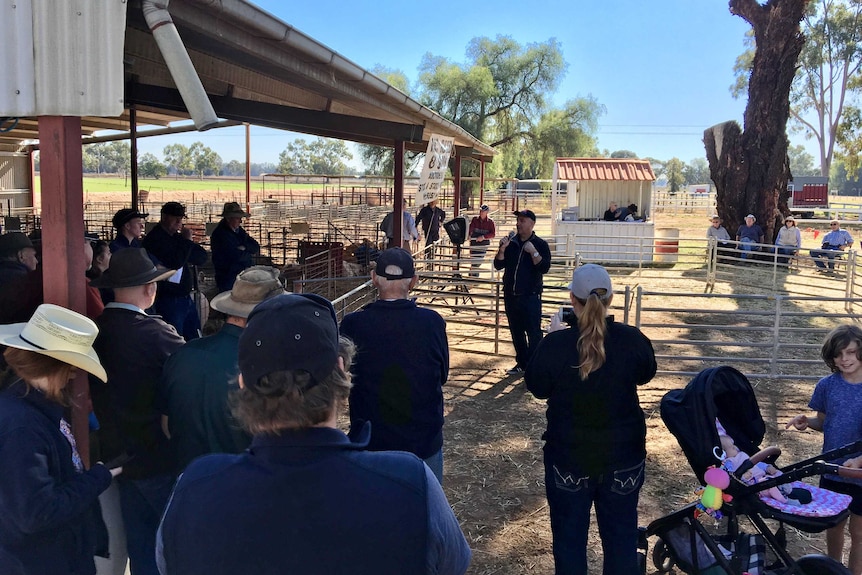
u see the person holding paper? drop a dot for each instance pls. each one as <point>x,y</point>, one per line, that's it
<point>171,244</point>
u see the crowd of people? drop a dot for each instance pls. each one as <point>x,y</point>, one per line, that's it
<point>225,452</point>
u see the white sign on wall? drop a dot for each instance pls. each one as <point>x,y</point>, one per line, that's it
<point>434,168</point>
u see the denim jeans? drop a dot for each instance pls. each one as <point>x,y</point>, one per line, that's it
<point>435,462</point>
<point>180,312</point>
<point>746,246</point>
<point>615,496</point>
<point>829,253</point>
<point>142,502</point>
<point>783,252</point>
<point>524,313</point>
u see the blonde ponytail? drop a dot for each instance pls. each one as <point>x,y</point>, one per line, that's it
<point>593,327</point>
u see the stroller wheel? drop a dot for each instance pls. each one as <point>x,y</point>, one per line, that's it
<point>661,557</point>
<point>821,565</point>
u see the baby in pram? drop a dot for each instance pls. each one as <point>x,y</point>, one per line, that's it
<point>734,459</point>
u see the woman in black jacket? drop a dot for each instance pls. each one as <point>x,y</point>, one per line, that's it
<point>595,442</point>
<point>48,510</point>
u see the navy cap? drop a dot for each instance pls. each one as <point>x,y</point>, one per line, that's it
<point>174,209</point>
<point>526,214</point>
<point>289,332</point>
<point>395,264</point>
<point>484,208</point>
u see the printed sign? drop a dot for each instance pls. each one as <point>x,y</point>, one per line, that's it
<point>434,168</point>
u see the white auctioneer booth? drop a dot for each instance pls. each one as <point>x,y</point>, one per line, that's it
<point>578,212</point>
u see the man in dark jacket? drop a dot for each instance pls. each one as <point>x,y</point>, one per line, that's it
<point>525,258</point>
<point>133,347</point>
<point>172,246</point>
<point>20,282</point>
<point>232,248</point>
<point>198,377</point>
<point>129,224</point>
<point>431,217</point>
<point>402,363</point>
<point>304,498</point>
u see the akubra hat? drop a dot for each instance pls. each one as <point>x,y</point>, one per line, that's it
<point>232,210</point>
<point>59,333</point>
<point>126,215</point>
<point>131,267</point>
<point>252,286</point>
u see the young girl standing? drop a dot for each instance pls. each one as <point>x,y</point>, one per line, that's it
<point>837,399</point>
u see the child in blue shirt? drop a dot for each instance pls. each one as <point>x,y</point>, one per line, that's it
<point>837,399</point>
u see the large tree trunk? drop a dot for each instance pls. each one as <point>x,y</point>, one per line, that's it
<point>750,167</point>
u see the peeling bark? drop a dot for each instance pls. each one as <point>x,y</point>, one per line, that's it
<point>749,166</point>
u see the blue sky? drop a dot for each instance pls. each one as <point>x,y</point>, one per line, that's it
<point>661,69</point>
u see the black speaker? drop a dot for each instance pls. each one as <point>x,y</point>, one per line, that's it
<point>457,230</point>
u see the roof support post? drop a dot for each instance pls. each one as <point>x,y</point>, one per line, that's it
<point>133,168</point>
<point>481,182</point>
<point>248,168</point>
<point>398,196</point>
<point>63,238</point>
<point>456,197</point>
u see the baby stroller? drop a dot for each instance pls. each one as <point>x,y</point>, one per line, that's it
<point>725,394</point>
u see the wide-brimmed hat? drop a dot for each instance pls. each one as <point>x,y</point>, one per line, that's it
<point>751,216</point>
<point>789,218</point>
<point>59,333</point>
<point>13,242</point>
<point>252,286</point>
<point>126,215</point>
<point>232,210</point>
<point>131,267</point>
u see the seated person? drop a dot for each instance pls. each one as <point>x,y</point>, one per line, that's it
<point>834,243</point>
<point>759,471</point>
<point>718,231</point>
<point>612,214</point>
<point>748,234</point>
<point>789,240</point>
<point>629,213</point>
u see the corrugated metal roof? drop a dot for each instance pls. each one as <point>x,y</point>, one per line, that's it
<point>62,58</point>
<point>614,169</point>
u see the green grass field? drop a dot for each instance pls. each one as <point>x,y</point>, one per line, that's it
<point>96,185</point>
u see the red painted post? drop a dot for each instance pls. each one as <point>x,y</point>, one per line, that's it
<point>398,199</point>
<point>63,239</point>
<point>456,199</point>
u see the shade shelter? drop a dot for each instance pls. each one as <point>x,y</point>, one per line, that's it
<point>72,68</point>
<point>591,184</point>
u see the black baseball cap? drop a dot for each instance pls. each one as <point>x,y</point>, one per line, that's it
<point>395,264</point>
<point>289,332</point>
<point>526,214</point>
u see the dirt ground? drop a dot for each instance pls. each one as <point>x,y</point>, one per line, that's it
<point>493,458</point>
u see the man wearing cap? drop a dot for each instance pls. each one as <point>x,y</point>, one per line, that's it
<point>402,363</point>
<point>430,216</point>
<point>133,347</point>
<point>233,249</point>
<point>172,246</point>
<point>129,224</point>
<point>197,377</point>
<point>525,258</point>
<point>20,283</point>
<point>480,232</point>
<point>304,498</point>
<point>834,242</point>
<point>747,234</point>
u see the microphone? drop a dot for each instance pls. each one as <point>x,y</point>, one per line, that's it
<point>511,236</point>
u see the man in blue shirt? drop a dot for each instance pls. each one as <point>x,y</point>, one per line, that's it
<point>232,248</point>
<point>836,241</point>
<point>304,498</point>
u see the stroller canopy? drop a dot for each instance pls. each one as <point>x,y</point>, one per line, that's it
<point>690,414</point>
